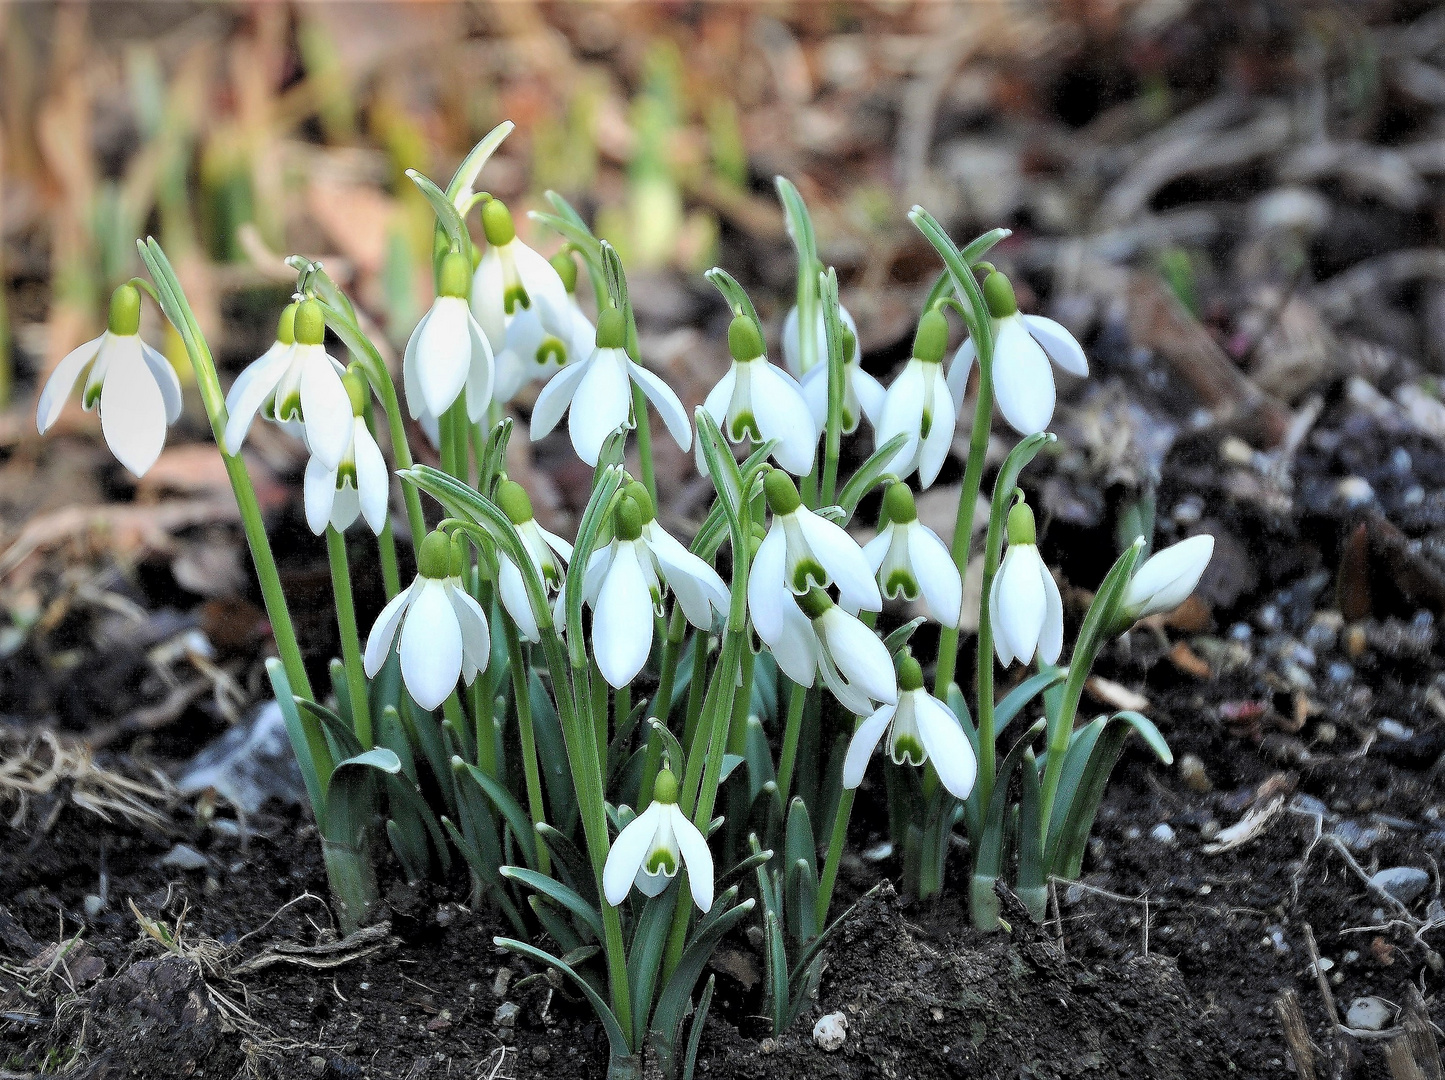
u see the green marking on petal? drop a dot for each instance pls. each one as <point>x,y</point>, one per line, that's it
<point>907,750</point>
<point>514,296</point>
<point>900,583</point>
<point>807,573</point>
<point>663,862</point>
<point>925,424</point>
<point>745,426</point>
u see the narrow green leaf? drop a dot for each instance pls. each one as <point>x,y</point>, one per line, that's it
<point>555,890</point>
<point>448,217</point>
<point>464,180</point>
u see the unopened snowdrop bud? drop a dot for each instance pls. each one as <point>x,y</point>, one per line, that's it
<point>447,352</point>
<point>658,842</point>
<point>444,633</point>
<point>803,550</point>
<point>598,393</point>
<point>1025,609</point>
<point>862,393</point>
<point>756,401</point>
<point>1167,577</point>
<point>1023,345</point>
<point>920,406</point>
<point>135,387</point>
<point>360,484</point>
<point>920,728</point>
<point>548,552</point>
<point>911,561</point>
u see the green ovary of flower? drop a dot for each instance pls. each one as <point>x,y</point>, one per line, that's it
<point>125,311</point>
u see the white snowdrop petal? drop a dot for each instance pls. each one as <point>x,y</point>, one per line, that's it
<point>864,742</point>
<point>383,631</point>
<point>556,396</point>
<point>860,655</point>
<point>958,372</point>
<point>1051,637</point>
<point>373,481</point>
<point>544,288</point>
<point>1023,382</point>
<point>345,506</point>
<point>480,372</point>
<point>622,619</point>
<point>628,853</point>
<point>902,415</point>
<point>252,388</point>
<point>876,550</point>
<point>870,393</point>
<point>1060,345</point>
<point>843,559</point>
<point>62,381</point>
<point>947,746</point>
<point>603,400</point>
<point>937,576</point>
<point>936,445</point>
<point>132,407</point>
<point>167,379</point>
<point>325,407</point>
<point>782,414</point>
<point>1022,603</point>
<point>792,348</point>
<point>319,490</point>
<point>513,592</point>
<point>695,856</point>
<point>1168,577</point>
<point>674,416</point>
<point>472,621</point>
<point>796,647</point>
<point>696,584</point>
<point>1001,645</point>
<point>444,353</point>
<point>487,301</point>
<point>431,646</point>
<point>767,591</point>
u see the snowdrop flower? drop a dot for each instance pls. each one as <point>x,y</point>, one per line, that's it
<point>136,388</point>
<point>580,334</point>
<point>296,383</point>
<point>277,353</point>
<point>599,392</point>
<point>920,728</point>
<point>549,554</point>
<point>862,393</point>
<point>1167,577</point>
<point>444,632</point>
<point>1023,345</point>
<point>536,348</point>
<point>655,844</point>
<point>1024,606</point>
<point>800,551</point>
<point>911,561</point>
<point>792,339</point>
<point>447,352</point>
<point>816,636</point>
<point>624,584</point>
<point>512,279</point>
<point>920,406</point>
<point>756,401</point>
<point>360,485</point>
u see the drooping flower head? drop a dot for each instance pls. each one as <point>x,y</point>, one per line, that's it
<point>1025,609</point>
<point>583,335</point>
<point>817,637</point>
<point>1167,577</point>
<point>598,392</point>
<point>513,281</point>
<point>920,728</point>
<point>920,406</point>
<point>755,402</point>
<point>135,387</point>
<point>448,352</point>
<point>444,634</point>
<point>360,485</point>
<point>862,393</point>
<point>1023,345</point>
<point>652,848</point>
<point>296,384</point>
<point>912,562</point>
<point>549,555</point>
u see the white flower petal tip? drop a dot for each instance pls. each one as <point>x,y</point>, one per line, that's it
<point>1060,345</point>
<point>1168,577</point>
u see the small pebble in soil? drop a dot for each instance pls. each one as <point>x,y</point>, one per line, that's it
<point>1192,772</point>
<point>541,1055</point>
<point>1269,619</point>
<point>93,905</point>
<point>879,852</point>
<point>501,981</point>
<point>1162,833</point>
<point>317,1064</point>
<point>1404,883</point>
<point>1308,804</point>
<point>1354,491</point>
<point>506,1014</point>
<point>1189,510</point>
<point>1325,964</point>
<point>184,857</point>
<point>1356,641</point>
<point>1358,837</point>
<point>1369,1014</point>
<point>1324,631</point>
<point>1276,940</point>
<point>1209,830</point>
<point>1133,832</point>
<point>1393,729</point>
<point>1326,733</point>
<point>1241,632</point>
<point>1339,672</point>
<point>830,1032</point>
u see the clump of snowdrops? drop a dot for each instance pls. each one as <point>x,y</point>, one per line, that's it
<point>632,743</point>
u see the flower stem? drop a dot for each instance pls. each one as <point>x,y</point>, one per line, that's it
<point>662,702</point>
<point>797,698</point>
<point>522,694</point>
<point>644,440</point>
<point>835,852</point>
<point>350,642</point>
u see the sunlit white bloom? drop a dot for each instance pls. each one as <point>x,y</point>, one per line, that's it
<point>920,407</point>
<point>296,383</point>
<point>756,402</point>
<point>598,392</point>
<point>448,352</point>
<point>549,555</point>
<point>529,351</point>
<point>361,485</point>
<point>862,393</point>
<point>1168,577</point>
<point>920,728</point>
<point>802,550</point>
<point>654,845</point>
<point>444,634</point>
<point>624,587</point>
<point>1023,345</point>
<point>1024,606</point>
<point>814,636</point>
<point>911,561</point>
<point>136,388</point>
<point>512,278</point>
<point>793,346</point>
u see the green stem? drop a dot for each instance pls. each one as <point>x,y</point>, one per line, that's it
<point>644,440</point>
<point>835,854</point>
<point>522,694</point>
<point>662,701</point>
<point>963,522</point>
<point>350,642</point>
<point>390,569</point>
<point>742,705</point>
<point>797,698</point>
<point>697,688</point>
